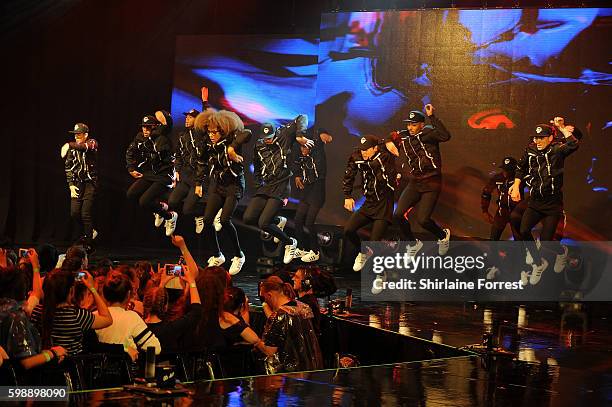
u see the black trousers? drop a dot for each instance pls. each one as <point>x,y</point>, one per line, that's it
<point>357,221</point>
<point>262,212</point>
<point>517,215</point>
<point>305,231</point>
<point>147,195</point>
<point>184,193</point>
<point>227,204</point>
<point>81,208</point>
<point>549,216</point>
<point>500,220</point>
<point>425,193</point>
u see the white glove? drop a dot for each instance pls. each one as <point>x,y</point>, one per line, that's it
<point>64,150</point>
<point>74,191</point>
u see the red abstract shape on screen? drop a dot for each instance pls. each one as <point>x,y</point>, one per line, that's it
<point>490,120</point>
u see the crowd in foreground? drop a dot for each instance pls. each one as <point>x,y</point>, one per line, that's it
<point>55,307</point>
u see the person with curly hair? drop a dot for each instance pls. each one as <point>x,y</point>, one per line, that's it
<point>222,161</point>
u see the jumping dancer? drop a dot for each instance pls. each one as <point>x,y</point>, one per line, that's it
<point>190,145</point>
<point>419,143</point>
<point>517,214</point>
<point>225,167</point>
<point>542,167</point>
<point>309,169</point>
<point>377,168</point>
<point>150,162</point>
<point>273,176</point>
<point>500,182</point>
<point>82,175</point>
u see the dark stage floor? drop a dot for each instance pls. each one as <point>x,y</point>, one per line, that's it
<point>558,354</point>
<point>461,381</point>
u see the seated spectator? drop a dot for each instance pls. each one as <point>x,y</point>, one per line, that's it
<point>171,334</point>
<point>103,267</point>
<point>144,272</point>
<point>234,321</point>
<point>128,328</point>
<point>134,303</point>
<point>304,282</point>
<point>62,323</point>
<point>289,341</point>
<point>48,256</point>
<point>285,281</point>
<point>211,283</point>
<point>19,339</point>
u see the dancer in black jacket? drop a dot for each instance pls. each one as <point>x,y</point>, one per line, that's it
<point>80,164</point>
<point>377,168</point>
<point>542,169</point>
<point>150,162</point>
<point>224,164</point>
<point>419,143</point>
<point>190,145</point>
<point>500,183</point>
<point>271,159</point>
<point>309,170</point>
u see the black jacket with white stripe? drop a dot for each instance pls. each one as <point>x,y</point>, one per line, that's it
<point>422,151</point>
<point>542,170</point>
<point>272,161</point>
<point>313,167</point>
<point>81,162</point>
<point>151,156</point>
<point>191,144</point>
<point>378,174</point>
<point>214,162</point>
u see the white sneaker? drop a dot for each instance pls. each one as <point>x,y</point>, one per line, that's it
<point>561,261</point>
<point>299,253</point>
<point>171,224</point>
<point>217,221</point>
<point>216,261</point>
<point>492,273</point>
<point>237,263</point>
<point>413,250</point>
<point>94,234</point>
<point>290,251</point>
<point>378,282</point>
<point>444,244</point>
<point>361,260</point>
<point>282,221</point>
<point>310,256</point>
<point>158,220</point>
<point>199,222</point>
<point>525,275</point>
<point>528,257</point>
<point>536,273</point>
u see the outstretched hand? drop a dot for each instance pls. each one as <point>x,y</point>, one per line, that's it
<point>204,91</point>
<point>429,109</point>
<point>178,241</point>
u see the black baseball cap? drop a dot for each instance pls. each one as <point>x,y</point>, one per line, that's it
<point>79,128</point>
<point>368,141</point>
<point>415,116</point>
<point>542,130</point>
<point>192,113</point>
<point>149,121</point>
<point>267,130</point>
<point>508,164</point>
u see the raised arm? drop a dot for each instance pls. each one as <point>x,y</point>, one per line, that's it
<point>87,145</point>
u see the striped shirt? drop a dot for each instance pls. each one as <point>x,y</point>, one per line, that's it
<point>128,329</point>
<point>69,325</point>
